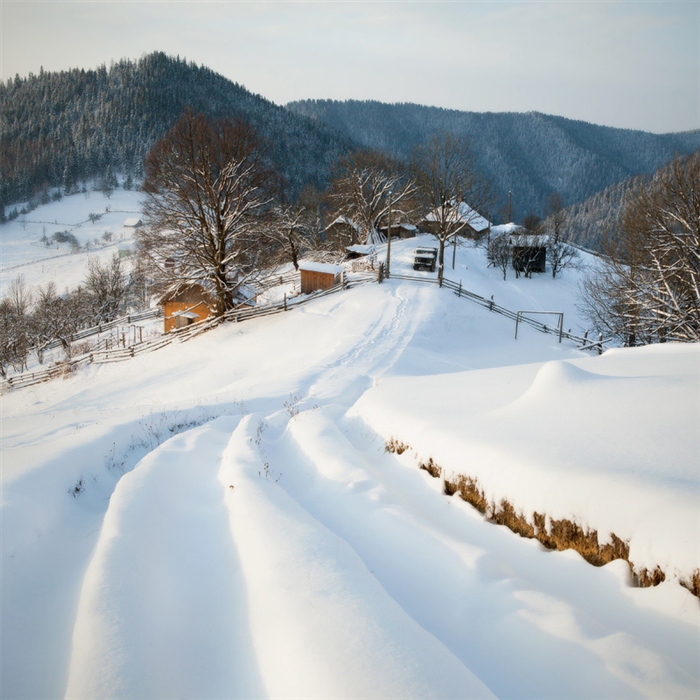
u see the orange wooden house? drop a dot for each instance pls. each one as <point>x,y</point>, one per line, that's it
<point>186,304</point>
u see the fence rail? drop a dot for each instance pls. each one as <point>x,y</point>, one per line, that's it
<point>104,327</point>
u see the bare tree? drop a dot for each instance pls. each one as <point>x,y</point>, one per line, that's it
<point>649,286</point>
<point>561,253</point>
<point>447,178</point>
<point>498,252</point>
<point>287,234</point>
<point>366,184</point>
<point>15,326</point>
<point>207,183</point>
<point>107,286</point>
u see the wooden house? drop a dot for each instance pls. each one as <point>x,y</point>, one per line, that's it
<point>353,252</point>
<point>529,252</point>
<point>343,231</point>
<point>316,276</point>
<point>468,221</point>
<point>186,304</point>
<point>133,222</point>
<point>400,230</point>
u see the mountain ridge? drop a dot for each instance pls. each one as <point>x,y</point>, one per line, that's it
<point>531,154</point>
<point>62,128</point>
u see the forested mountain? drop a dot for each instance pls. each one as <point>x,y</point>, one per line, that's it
<point>588,223</point>
<point>530,154</point>
<point>59,129</point>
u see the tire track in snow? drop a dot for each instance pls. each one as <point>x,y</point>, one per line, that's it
<point>322,626</point>
<point>351,373</point>
<point>162,611</point>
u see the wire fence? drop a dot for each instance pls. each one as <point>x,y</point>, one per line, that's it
<point>583,341</point>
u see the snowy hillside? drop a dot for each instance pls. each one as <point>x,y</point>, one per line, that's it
<point>221,518</point>
<point>28,247</point>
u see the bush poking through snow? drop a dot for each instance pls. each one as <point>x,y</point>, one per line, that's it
<point>431,468</point>
<point>292,405</point>
<point>395,446</point>
<point>79,487</point>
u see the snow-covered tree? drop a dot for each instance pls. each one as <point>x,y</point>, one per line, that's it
<point>207,184</point>
<point>498,252</point>
<point>648,288</point>
<point>367,183</point>
<point>446,175</point>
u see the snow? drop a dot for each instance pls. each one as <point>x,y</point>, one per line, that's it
<point>220,518</point>
<point>618,472</point>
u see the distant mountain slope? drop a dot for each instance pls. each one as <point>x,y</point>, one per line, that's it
<point>591,221</point>
<point>530,154</point>
<point>62,128</point>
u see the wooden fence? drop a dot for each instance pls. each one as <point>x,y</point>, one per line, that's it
<point>243,313</point>
<point>181,335</point>
<point>104,327</point>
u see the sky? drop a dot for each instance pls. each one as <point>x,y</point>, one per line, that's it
<point>625,64</point>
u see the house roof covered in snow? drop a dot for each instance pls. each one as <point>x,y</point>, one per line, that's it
<point>344,220</point>
<point>507,228</point>
<point>325,268</point>
<point>462,213</point>
<point>133,222</point>
<point>360,249</point>
<point>529,241</point>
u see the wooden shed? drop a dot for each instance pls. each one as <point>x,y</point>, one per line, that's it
<point>186,304</point>
<point>316,276</point>
<point>400,230</point>
<point>529,252</point>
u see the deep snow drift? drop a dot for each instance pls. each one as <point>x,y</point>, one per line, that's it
<point>220,518</point>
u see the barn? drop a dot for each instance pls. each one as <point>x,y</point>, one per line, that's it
<point>316,276</point>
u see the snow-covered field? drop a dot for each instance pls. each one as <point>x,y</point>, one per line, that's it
<point>221,518</point>
<point>22,251</point>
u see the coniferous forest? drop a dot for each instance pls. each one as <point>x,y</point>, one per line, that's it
<point>530,154</point>
<point>62,129</point>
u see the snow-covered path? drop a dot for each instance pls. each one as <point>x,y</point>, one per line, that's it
<point>277,550</point>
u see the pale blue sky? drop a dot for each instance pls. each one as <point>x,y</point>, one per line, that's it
<point>627,64</point>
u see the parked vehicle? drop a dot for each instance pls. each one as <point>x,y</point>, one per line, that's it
<point>425,259</point>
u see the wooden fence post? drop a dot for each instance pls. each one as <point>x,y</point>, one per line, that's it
<point>600,343</point>
<point>285,301</point>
